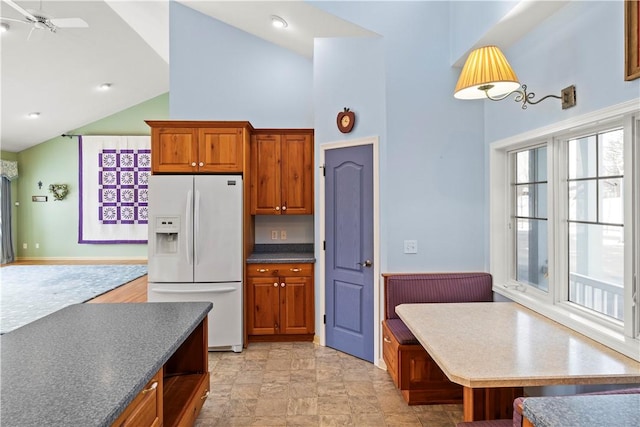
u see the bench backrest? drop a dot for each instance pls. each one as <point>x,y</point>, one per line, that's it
<point>435,288</point>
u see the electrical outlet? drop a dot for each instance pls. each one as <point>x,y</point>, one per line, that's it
<point>283,235</point>
<point>274,234</point>
<point>24,246</point>
<point>410,246</point>
<point>37,245</point>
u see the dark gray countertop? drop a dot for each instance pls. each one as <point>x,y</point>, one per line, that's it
<point>620,410</point>
<point>282,254</point>
<point>84,364</point>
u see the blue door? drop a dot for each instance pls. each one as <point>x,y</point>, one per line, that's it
<point>349,250</point>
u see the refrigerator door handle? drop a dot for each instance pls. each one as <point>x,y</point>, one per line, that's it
<point>195,291</point>
<point>189,228</point>
<point>196,228</point>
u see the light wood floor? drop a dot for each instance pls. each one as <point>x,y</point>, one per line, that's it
<point>134,291</point>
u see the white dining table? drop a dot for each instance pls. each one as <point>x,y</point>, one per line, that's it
<point>494,346</point>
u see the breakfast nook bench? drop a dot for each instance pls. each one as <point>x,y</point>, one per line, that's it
<point>411,368</point>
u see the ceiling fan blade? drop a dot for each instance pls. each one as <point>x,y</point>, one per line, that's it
<point>69,22</point>
<point>20,10</point>
<point>14,20</point>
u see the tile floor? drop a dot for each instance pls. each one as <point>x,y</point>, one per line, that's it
<point>303,384</point>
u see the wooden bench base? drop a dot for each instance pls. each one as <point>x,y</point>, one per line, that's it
<point>417,376</point>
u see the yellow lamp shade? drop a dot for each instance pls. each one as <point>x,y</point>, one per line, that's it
<point>486,72</point>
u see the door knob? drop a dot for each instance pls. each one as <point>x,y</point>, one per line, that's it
<point>366,263</point>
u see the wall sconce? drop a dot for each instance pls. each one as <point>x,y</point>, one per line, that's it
<point>487,75</point>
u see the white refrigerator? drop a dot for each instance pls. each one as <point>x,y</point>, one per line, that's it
<point>195,249</point>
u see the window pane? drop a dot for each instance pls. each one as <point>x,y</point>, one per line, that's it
<point>611,154</point>
<point>582,200</point>
<point>531,165</point>
<point>531,200</point>
<point>582,157</point>
<point>524,200</point>
<point>596,268</point>
<point>541,200</point>
<point>531,252</point>
<point>522,167</point>
<point>541,164</point>
<point>611,201</point>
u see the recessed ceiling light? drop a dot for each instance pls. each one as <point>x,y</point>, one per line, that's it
<point>33,115</point>
<point>105,86</point>
<point>278,22</point>
<point>4,27</point>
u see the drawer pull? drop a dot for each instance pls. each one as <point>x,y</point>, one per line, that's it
<point>151,388</point>
<point>296,270</point>
<point>386,339</point>
<point>262,270</point>
<point>204,396</point>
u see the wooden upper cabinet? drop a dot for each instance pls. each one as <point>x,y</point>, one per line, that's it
<point>173,149</point>
<point>282,173</point>
<point>220,149</point>
<point>198,147</point>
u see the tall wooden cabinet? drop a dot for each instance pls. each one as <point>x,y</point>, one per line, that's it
<point>198,147</point>
<point>280,300</point>
<point>282,172</point>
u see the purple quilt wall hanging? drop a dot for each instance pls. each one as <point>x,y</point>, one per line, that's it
<point>114,178</point>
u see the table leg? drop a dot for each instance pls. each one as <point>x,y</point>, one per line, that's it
<point>489,403</point>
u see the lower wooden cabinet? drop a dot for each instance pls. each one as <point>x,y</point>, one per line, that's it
<point>176,393</point>
<point>146,408</point>
<point>280,301</point>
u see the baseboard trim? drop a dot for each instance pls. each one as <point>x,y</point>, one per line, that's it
<point>104,259</point>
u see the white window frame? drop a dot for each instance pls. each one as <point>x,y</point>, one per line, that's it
<point>553,304</point>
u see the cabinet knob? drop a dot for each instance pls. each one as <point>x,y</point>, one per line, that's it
<point>204,396</point>
<point>282,284</point>
<point>201,164</point>
<point>277,208</point>
<point>284,208</point>
<point>193,164</point>
<point>275,284</point>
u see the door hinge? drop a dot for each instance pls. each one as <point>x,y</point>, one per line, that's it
<point>324,171</point>
<point>324,245</point>
<point>324,319</point>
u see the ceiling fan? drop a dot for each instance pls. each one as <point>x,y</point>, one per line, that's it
<point>42,21</point>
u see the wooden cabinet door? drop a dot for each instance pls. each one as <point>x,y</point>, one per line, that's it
<point>264,316</point>
<point>265,174</point>
<point>296,305</point>
<point>297,174</point>
<point>220,150</point>
<point>174,149</point>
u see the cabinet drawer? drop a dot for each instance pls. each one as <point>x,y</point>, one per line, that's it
<point>279,270</point>
<point>146,408</point>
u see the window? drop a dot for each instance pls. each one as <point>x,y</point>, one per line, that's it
<point>531,217</point>
<point>564,216</point>
<point>596,222</point>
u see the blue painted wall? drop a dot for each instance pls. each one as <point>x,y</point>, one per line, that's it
<point>432,156</point>
<point>581,44</point>
<point>470,20</point>
<point>433,147</point>
<point>219,72</point>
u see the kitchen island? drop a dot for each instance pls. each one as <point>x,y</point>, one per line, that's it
<point>95,364</point>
